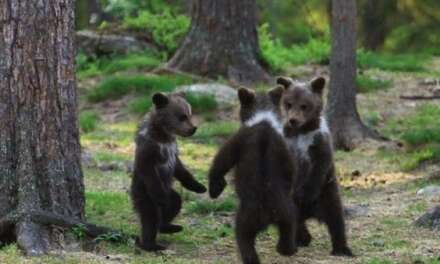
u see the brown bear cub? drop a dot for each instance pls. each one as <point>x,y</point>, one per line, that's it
<point>156,163</point>
<point>309,140</point>
<point>264,174</point>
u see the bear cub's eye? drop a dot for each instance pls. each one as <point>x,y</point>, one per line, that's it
<point>288,105</point>
<point>183,118</point>
<point>304,107</point>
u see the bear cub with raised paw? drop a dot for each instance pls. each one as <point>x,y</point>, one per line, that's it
<point>156,164</point>
<point>309,140</point>
<point>264,174</point>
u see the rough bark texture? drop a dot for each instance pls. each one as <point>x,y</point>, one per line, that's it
<point>345,124</point>
<point>39,141</point>
<point>222,41</point>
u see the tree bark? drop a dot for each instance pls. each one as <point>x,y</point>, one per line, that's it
<point>222,41</point>
<point>39,140</point>
<point>341,111</point>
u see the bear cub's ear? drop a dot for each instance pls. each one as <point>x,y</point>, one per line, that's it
<point>284,81</point>
<point>246,96</point>
<point>318,85</point>
<point>160,100</point>
<point>275,94</point>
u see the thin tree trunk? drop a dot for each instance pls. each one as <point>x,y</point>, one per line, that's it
<point>222,41</point>
<point>345,124</point>
<point>39,142</point>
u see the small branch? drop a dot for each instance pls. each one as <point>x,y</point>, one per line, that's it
<point>419,97</point>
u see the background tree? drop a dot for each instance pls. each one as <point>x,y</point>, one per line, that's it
<point>374,21</point>
<point>40,173</point>
<point>223,41</point>
<point>345,124</point>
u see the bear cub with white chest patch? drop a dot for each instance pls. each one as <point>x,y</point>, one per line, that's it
<point>156,164</point>
<point>308,137</point>
<point>264,174</point>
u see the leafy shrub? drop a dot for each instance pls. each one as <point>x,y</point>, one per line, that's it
<point>277,56</point>
<point>131,61</point>
<point>367,84</point>
<point>389,62</point>
<point>88,121</point>
<point>118,86</point>
<point>201,103</point>
<point>167,29</point>
<point>87,68</point>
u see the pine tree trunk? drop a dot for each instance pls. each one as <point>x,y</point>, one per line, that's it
<point>40,171</point>
<point>345,124</point>
<point>222,41</point>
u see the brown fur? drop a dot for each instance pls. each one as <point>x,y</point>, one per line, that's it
<point>264,177</point>
<point>308,137</point>
<point>156,163</point>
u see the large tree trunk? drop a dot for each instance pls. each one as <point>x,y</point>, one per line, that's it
<point>40,172</point>
<point>222,41</point>
<point>345,124</point>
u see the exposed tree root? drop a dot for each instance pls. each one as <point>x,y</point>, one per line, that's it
<point>30,229</point>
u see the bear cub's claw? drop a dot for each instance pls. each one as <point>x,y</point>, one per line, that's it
<point>344,251</point>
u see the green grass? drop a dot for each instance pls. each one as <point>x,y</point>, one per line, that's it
<point>204,207</point>
<point>88,121</point>
<point>201,103</point>
<point>118,86</point>
<point>421,133</point>
<point>391,62</point>
<point>367,84</point>
<point>101,208</point>
<point>87,68</point>
<point>212,130</point>
<point>140,105</point>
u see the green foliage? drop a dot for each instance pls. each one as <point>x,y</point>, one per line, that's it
<point>277,56</point>
<point>366,84</point>
<point>140,105</point>
<point>115,237</point>
<point>88,121</point>
<point>421,133</point>
<point>79,231</point>
<point>167,28</point>
<point>129,62</point>
<point>118,86</point>
<point>389,62</point>
<point>422,127</point>
<point>109,65</point>
<point>201,103</point>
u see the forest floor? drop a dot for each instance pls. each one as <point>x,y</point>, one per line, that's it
<point>379,181</point>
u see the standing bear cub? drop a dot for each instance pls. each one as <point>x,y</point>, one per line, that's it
<point>309,140</point>
<point>264,174</point>
<point>156,163</point>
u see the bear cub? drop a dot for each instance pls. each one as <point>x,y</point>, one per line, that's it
<point>309,140</point>
<point>156,164</point>
<point>264,174</point>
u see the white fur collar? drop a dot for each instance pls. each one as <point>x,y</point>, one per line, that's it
<point>268,116</point>
<point>302,142</point>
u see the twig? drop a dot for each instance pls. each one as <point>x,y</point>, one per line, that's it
<point>419,97</point>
